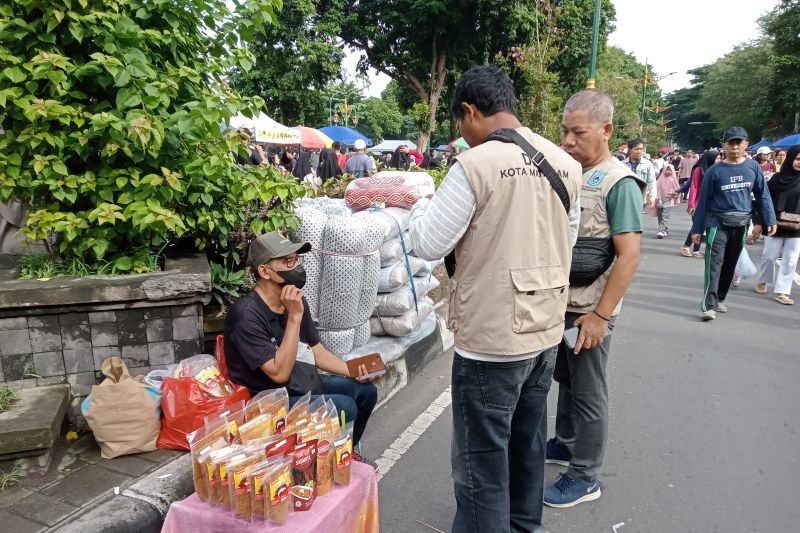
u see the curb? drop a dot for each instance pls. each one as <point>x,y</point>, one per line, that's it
<point>141,508</point>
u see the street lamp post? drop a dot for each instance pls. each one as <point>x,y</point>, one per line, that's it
<point>595,37</point>
<point>644,94</point>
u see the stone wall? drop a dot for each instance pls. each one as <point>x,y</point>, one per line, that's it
<point>69,347</point>
<point>61,330</point>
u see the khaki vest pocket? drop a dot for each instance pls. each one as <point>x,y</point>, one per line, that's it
<point>540,298</point>
<point>452,319</point>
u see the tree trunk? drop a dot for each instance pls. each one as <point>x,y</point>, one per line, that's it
<point>422,140</point>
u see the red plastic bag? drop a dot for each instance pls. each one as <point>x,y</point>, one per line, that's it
<point>185,407</point>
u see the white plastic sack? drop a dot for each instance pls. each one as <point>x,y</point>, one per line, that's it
<point>390,219</point>
<point>429,267</point>
<point>744,266</point>
<point>395,276</point>
<point>404,324</point>
<point>392,250</point>
<point>362,334</point>
<point>311,230</point>
<point>402,300</point>
<point>339,342</point>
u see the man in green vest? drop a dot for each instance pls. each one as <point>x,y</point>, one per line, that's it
<point>611,210</point>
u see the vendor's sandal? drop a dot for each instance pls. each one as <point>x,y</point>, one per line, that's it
<point>686,251</point>
<point>697,255</point>
<point>761,288</point>
<point>361,459</point>
<point>784,299</point>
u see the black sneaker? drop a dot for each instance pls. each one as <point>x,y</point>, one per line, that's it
<point>556,453</point>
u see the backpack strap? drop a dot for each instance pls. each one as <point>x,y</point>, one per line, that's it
<point>508,135</point>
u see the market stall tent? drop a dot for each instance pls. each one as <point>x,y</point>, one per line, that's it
<point>460,143</point>
<point>391,146</point>
<point>313,138</point>
<point>788,142</point>
<point>267,130</point>
<point>756,146</point>
<point>344,135</point>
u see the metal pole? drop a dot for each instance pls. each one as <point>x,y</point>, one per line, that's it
<point>644,94</point>
<point>595,37</point>
<point>330,111</point>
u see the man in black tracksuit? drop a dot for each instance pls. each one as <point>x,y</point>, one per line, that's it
<point>724,210</point>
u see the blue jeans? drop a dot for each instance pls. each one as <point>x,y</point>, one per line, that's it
<point>357,400</point>
<point>499,431</point>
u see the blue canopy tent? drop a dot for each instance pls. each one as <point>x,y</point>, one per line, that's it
<point>344,135</point>
<point>759,144</point>
<point>788,142</point>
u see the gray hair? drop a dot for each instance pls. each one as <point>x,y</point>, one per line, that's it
<point>598,103</point>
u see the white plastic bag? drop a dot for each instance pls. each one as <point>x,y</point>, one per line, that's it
<point>392,250</point>
<point>744,266</point>
<point>402,300</point>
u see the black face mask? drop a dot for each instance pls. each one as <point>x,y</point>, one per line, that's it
<point>295,276</point>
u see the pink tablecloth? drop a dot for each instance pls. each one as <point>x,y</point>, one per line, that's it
<point>350,509</point>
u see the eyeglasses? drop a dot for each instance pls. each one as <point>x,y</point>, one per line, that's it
<point>291,261</point>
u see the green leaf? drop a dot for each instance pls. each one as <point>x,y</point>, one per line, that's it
<point>123,78</point>
<point>60,168</point>
<point>128,97</point>
<point>77,31</point>
<point>106,194</point>
<point>123,263</point>
<point>14,74</point>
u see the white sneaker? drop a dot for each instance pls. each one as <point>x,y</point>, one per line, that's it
<point>709,315</point>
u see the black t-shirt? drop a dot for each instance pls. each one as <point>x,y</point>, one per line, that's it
<point>253,333</point>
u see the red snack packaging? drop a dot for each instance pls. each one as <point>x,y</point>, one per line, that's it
<point>304,468</point>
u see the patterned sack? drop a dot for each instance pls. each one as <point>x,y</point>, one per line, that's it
<point>404,324</point>
<point>339,341</point>
<point>392,189</point>
<point>311,230</point>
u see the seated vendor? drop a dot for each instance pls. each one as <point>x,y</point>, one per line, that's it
<point>268,331</point>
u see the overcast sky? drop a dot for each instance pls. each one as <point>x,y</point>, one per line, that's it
<point>673,35</point>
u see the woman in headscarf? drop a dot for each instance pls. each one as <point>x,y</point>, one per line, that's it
<point>706,161</point>
<point>302,166</point>
<point>400,158</point>
<point>784,188</point>
<point>328,165</point>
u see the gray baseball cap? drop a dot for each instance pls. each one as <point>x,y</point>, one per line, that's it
<point>271,246</point>
<point>736,132</point>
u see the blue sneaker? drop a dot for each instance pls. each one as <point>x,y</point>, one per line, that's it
<point>556,453</point>
<point>568,492</point>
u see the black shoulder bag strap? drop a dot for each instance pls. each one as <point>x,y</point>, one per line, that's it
<point>508,135</point>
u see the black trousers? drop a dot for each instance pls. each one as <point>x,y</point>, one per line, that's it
<point>722,252</point>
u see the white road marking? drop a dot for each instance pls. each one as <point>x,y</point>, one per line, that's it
<point>409,436</point>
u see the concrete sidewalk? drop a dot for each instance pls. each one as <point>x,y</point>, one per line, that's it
<point>78,478</point>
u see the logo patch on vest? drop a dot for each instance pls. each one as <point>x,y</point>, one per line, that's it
<point>596,178</point>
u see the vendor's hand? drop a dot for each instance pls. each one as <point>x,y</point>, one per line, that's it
<point>690,210</point>
<point>696,238</point>
<point>651,202</point>
<point>757,230</point>
<point>772,230</point>
<point>292,299</point>
<point>362,371</point>
<point>593,330</point>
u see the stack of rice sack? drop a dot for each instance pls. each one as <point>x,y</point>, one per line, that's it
<point>405,279</point>
<point>342,271</point>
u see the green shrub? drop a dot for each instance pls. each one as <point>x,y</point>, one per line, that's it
<point>112,113</point>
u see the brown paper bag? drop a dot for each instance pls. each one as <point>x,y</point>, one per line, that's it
<point>121,412</point>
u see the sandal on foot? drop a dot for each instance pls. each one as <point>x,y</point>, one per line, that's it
<point>697,255</point>
<point>761,288</point>
<point>784,299</point>
<point>686,251</point>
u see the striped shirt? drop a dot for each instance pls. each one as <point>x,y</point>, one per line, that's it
<point>436,226</point>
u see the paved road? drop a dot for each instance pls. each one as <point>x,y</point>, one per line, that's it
<point>704,416</point>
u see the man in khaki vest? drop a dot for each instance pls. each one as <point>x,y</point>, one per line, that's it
<point>611,208</point>
<point>513,240</point>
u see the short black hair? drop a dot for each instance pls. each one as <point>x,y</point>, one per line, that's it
<point>336,145</point>
<point>633,143</point>
<point>486,87</point>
